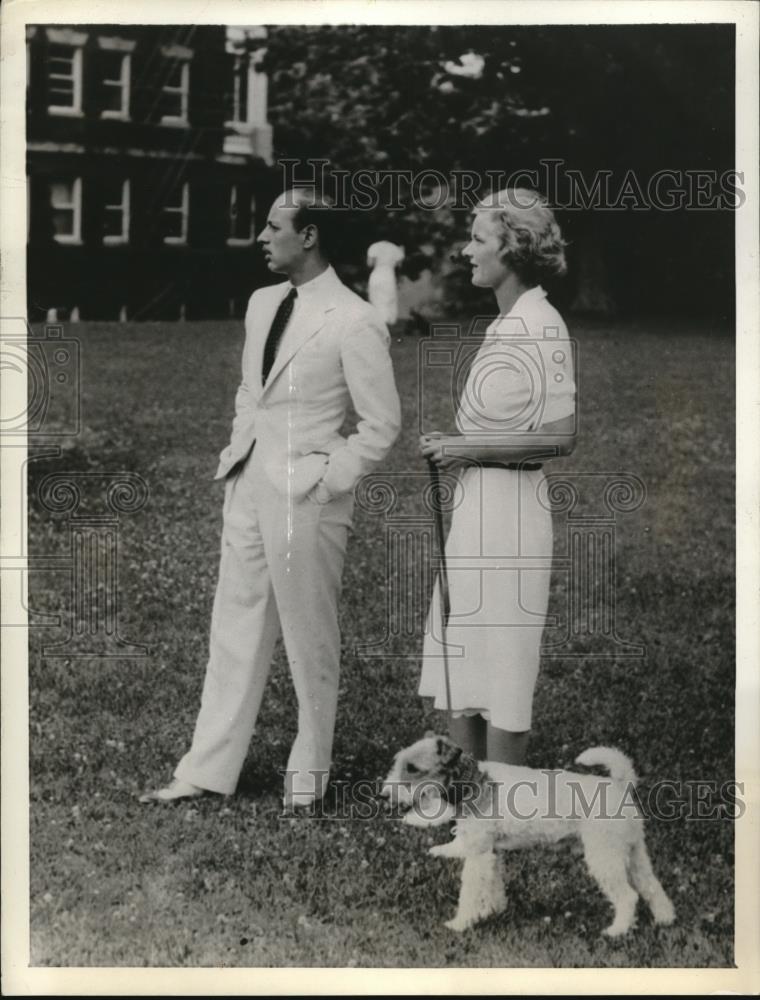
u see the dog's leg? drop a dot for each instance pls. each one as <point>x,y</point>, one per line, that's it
<point>606,862</point>
<point>481,891</point>
<point>451,849</point>
<point>442,813</point>
<point>647,883</point>
<point>467,843</point>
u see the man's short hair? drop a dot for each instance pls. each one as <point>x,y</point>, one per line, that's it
<point>316,209</point>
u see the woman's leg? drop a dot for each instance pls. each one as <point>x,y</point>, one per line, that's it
<point>505,746</point>
<point>469,732</point>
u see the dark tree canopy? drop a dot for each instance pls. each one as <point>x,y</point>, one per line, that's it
<point>636,99</point>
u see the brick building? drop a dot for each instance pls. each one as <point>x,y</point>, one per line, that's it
<point>149,159</point>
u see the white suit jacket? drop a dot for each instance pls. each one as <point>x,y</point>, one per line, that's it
<point>334,351</point>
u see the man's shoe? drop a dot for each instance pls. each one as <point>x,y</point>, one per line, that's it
<point>173,792</point>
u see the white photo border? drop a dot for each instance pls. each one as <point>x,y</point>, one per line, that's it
<point>21,979</point>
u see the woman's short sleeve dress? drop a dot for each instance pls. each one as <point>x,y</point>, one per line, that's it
<point>499,547</point>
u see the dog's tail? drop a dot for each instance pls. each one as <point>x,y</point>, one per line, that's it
<point>616,762</point>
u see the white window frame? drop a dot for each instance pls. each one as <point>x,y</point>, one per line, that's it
<point>126,47</point>
<point>239,112</point>
<point>76,205</point>
<point>181,55</point>
<point>258,86</point>
<point>245,241</point>
<point>252,111</point>
<point>75,109</point>
<point>184,209</point>
<point>113,239</point>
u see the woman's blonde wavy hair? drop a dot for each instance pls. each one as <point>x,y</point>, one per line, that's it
<point>531,238</point>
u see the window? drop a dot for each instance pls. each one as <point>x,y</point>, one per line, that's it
<point>64,80</point>
<point>66,204</point>
<point>246,93</point>
<point>242,227</point>
<point>115,84</point>
<point>174,94</point>
<point>236,110</point>
<point>115,67</point>
<point>257,90</point>
<point>116,214</point>
<point>176,216</point>
<point>175,90</point>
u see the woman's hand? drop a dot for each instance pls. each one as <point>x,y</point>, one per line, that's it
<point>434,447</point>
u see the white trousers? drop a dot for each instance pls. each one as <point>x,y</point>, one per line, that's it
<point>280,572</point>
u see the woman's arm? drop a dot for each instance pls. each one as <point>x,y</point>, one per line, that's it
<point>551,440</point>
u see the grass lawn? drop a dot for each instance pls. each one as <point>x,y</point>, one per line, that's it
<point>230,882</point>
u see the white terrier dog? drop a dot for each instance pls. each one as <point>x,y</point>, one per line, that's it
<point>502,807</point>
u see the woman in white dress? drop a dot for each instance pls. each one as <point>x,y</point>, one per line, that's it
<point>516,411</point>
<point>384,257</point>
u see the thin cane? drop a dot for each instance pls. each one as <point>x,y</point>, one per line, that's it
<point>443,576</point>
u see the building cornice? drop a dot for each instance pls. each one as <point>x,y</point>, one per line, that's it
<point>66,36</point>
<point>77,149</point>
<point>113,44</point>
<point>177,52</point>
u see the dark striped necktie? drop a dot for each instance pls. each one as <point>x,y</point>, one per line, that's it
<point>276,331</point>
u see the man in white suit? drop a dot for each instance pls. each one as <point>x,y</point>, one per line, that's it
<point>311,346</point>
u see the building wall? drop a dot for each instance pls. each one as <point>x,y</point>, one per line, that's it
<point>170,262</point>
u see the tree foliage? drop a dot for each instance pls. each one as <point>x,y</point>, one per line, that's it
<point>620,98</point>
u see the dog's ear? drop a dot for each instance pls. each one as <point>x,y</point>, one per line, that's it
<point>448,752</point>
<point>429,734</point>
